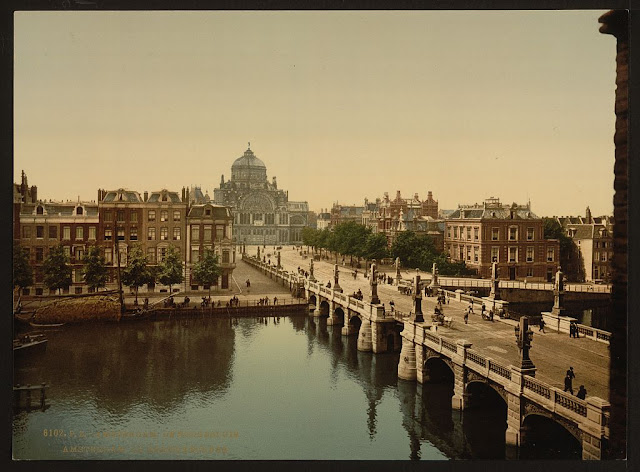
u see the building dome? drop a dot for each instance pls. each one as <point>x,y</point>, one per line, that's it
<point>249,159</point>
<point>248,168</point>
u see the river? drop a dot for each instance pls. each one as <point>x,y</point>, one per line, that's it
<point>256,389</point>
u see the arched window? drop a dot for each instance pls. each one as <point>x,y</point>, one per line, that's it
<point>39,210</point>
<point>78,210</point>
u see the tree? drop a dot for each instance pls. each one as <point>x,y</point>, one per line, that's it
<point>375,247</point>
<point>56,269</point>
<point>207,270</point>
<point>309,236</point>
<point>22,271</point>
<point>136,273</point>
<point>570,258</point>
<point>171,269</point>
<point>95,269</point>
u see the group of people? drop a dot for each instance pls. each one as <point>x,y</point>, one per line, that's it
<point>302,272</point>
<point>265,301</point>
<point>357,295</point>
<point>573,330</point>
<point>568,385</point>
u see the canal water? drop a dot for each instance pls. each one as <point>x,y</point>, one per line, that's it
<point>287,388</point>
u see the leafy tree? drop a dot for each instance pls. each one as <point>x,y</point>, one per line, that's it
<point>22,271</point>
<point>309,236</point>
<point>207,270</point>
<point>136,273</point>
<point>95,268</point>
<point>56,269</point>
<point>350,238</point>
<point>415,251</point>
<point>570,259</point>
<point>171,269</point>
<point>375,247</point>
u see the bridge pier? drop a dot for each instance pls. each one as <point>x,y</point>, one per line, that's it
<point>334,319</point>
<point>364,337</point>
<point>407,369</point>
<point>460,399</point>
<point>317,312</point>
<point>595,429</point>
<point>348,329</point>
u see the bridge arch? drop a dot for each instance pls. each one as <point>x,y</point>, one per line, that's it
<point>339,312</point>
<point>438,370</point>
<point>313,299</point>
<point>547,437</point>
<point>482,390</point>
<point>355,321</point>
<point>324,308</point>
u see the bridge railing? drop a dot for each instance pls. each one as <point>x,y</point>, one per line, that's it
<point>594,333</point>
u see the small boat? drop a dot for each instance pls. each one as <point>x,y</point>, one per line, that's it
<point>47,325</point>
<point>29,344</point>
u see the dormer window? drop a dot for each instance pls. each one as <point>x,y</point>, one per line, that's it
<point>79,210</point>
<point>39,210</point>
<point>207,211</point>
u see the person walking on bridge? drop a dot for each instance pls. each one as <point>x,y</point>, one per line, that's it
<point>582,393</point>
<point>541,325</point>
<point>568,380</point>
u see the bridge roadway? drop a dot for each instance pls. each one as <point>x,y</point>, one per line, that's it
<point>552,353</point>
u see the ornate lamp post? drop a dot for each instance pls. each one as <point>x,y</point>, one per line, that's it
<point>311,277</point>
<point>524,336</point>
<point>417,299</point>
<point>374,284</point>
<point>336,286</point>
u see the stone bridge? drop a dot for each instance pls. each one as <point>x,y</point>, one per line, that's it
<point>424,351</point>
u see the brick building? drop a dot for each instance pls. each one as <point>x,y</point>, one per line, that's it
<point>512,236</point>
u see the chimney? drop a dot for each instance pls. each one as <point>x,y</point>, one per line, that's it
<point>34,194</point>
<point>183,194</point>
<point>146,195</point>
<point>588,215</point>
<point>397,194</point>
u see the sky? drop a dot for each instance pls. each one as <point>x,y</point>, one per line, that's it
<point>339,105</point>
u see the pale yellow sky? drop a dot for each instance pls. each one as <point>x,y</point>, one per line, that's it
<point>339,105</point>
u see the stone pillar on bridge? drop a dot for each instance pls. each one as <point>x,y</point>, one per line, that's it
<point>258,253</point>
<point>593,429</point>
<point>334,319</point>
<point>398,275</point>
<point>336,286</point>
<point>417,299</point>
<point>311,276</point>
<point>373,281</point>
<point>348,329</point>
<point>279,266</point>
<point>558,294</point>
<point>460,399</point>
<point>364,337</point>
<point>407,366</point>
<point>317,312</point>
<point>524,336</point>
<point>495,283</point>
<point>434,278</point>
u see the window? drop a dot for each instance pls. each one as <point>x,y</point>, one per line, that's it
<point>66,233</point>
<point>513,254</point>
<point>468,233</point>
<point>120,215</point>
<point>475,254</point>
<point>529,254</point>
<point>151,234</point>
<point>120,233</point>
<point>79,253</point>
<point>603,256</point>
<point>53,232</point>
<point>39,210</point>
<point>151,255</point>
<point>79,232</point>
<point>79,211</point>
<point>108,255</point>
<point>595,272</point>
<point>195,233</point>
<point>162,253</point>
<point>495,234</point>
<point>133,234</point>
<point>596,245</point>
<point>530,234</point>
<point>164,233</point>
<point>39,232</point>
<point>455,232</point>
<point>207,232</point>
<point>257,217</point>
<point>476,232</point>
<point>108,234</point>
<point>448,231</point>
<point>108,215</point>
<point>176,215</point>
<point>26,231</point>
<point>134,216</point>
<point>220,232</point>
<point>39,254</point>
<point>550,254</point>
<point>176,233</point>
<point>207,212</point>
<point>195,254</point>
<point>529,271</point>
<point>164,215</point>
<point>152,215</point>
<point>513,233</point>
<point>225,257</point>
<point>123,256</point>
<point>469,253</point>
<point>92,232</point>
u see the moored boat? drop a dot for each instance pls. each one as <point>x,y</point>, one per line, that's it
<point>28,344</point>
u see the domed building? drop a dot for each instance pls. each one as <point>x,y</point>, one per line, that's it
<point>262,213</point>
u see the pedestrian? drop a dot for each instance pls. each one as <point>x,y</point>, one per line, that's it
<point>482,309</point>
<point>567,384</point>
<point>575,330</point>
<point>570,373</point>
<point>582,392</point>
<point>541,325</point>
<point>248,283</point>
<point>392,305</point>
<point>275,300</point>
<point>466,317</point>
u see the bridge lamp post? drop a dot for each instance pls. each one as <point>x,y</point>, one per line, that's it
<point>524,336</point>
